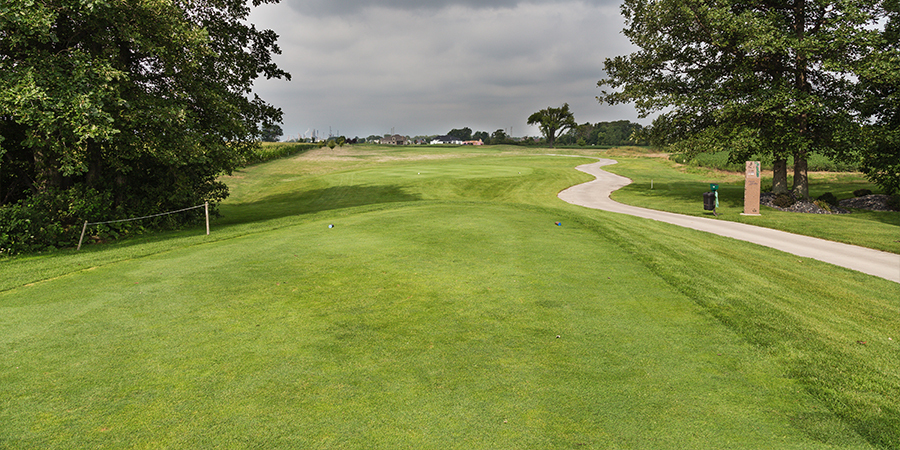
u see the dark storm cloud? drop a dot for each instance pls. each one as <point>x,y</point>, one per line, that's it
<point>434,66</point>
<point>352,7</point>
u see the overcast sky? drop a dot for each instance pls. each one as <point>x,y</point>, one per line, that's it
<point>424,67</point>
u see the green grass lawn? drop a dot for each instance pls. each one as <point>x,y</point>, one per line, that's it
<point>444,309</point>
<point>658,185</point>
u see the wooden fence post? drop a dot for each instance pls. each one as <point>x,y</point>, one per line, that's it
<point>83,229</point>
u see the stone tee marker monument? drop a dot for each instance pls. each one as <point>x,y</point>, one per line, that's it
<point>751,189</point>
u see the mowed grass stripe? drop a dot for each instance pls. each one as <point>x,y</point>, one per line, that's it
<point>420,327</point>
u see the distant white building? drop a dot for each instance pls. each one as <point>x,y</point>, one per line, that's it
<point>446,140</point>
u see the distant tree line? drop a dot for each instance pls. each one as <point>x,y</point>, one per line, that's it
<point>612,134</point>
<point>495,138</point>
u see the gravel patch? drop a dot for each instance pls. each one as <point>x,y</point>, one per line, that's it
<point>766,198</point>
<point>873,202</point>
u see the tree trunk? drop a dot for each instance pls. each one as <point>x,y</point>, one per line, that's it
<point>120,190</point>
<point>801,177</point>
<point>46,174</point>
<point>779,177</point>
<point>95,162</point>
<point>801,180</point>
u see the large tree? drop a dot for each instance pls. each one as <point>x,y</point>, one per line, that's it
<point>463,134</point>
<point>758,78</point>
<point>271,133</point>
<point>880,76</point>
<point>143,102</point>
<point>552,122</point>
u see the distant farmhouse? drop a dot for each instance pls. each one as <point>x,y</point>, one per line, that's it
<point>394,140</point>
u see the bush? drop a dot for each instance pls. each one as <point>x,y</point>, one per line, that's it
<point>269,151</point>
<point>823,204</point>
<point>862,192</point>
<point>894,202</point>
<point>828,197</point>
<point>679,158</point>
<point>49,220</point>
<point>783,200</point>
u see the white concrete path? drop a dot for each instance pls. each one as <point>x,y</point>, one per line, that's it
<point>595,194</point>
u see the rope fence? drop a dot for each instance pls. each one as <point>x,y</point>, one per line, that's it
<point>205,207</point>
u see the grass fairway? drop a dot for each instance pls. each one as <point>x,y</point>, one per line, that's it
<point>444,309</point>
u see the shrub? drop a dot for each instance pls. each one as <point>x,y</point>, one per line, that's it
<point>828,197</point>
<point>49,220</point>
<point>783,200</point>
<point>679,158</point>
<point>894,202</point>
<point>862,192</point>
<point>823,204</point>
<point>269,151</point>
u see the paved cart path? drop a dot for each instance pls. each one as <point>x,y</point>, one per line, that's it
<point>595,194</point>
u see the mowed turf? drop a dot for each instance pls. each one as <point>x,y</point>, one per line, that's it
<point>469,322</point>
<point>658,185</point>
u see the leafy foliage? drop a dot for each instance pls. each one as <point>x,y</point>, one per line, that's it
<point>271,133</point>
<point>275,150</point>
<point>723,161</point>
<point>828,198</point>
<point>620,132</point>
<point>880,75</point>
<point>463,134</point>
<point>144,102</point>
<point>500,137</point>
<point>553,121</point>
<point>747,78</point>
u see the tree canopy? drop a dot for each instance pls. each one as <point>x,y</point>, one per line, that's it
<point>553,121</point>
<point>142,103</point>
<point>880,78</point>
<point>271,133</point>
<point>463,134</point>
<point>772,78</point>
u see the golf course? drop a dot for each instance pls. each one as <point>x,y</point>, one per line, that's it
<point>444,297</point>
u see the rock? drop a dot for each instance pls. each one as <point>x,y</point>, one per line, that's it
<point>873,202</point>
<point>801,206</point>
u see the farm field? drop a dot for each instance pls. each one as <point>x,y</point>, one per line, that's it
<point>379,297</point>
